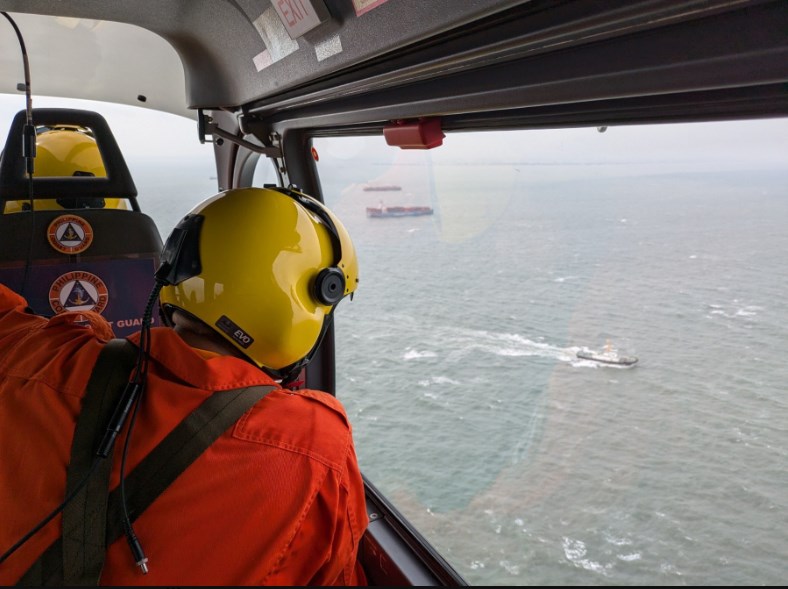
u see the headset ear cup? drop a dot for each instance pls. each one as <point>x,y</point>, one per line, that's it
<point>330,286</point>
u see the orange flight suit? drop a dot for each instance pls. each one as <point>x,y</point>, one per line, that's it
<point>278,499</point>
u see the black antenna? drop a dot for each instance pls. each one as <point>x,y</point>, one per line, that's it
<point>28,96</point>
<point>28,146</point>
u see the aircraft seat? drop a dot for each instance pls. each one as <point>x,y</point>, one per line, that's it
<point>77,259</point>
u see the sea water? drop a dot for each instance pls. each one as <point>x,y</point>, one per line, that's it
<point>524,465</point>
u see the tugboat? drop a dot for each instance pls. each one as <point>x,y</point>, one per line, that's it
<point>607,356</point>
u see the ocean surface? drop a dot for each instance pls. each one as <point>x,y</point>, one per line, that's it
<point>520,463</point>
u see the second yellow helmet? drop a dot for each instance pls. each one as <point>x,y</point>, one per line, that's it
<point>66,151</point>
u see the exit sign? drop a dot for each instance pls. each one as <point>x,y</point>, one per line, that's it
<point>300,16</point>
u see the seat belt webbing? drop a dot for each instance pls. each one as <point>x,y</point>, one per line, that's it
<point>84,517</point>
<point>178,450</point>
<point>71,557</point>
<point>144,484</point>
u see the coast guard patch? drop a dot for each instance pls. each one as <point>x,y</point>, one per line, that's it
<point>70,234</point>
<point>78,291</point>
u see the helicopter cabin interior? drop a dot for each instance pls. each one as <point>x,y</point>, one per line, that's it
<point>285,86</point>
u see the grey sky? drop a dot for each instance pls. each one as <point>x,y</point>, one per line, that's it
<point>145,133</point>
<point>140,132</point>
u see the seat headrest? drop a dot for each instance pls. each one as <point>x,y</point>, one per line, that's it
<point>13,177</point>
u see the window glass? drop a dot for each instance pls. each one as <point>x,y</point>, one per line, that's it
<point>457,359</point>
<point>264,172</point>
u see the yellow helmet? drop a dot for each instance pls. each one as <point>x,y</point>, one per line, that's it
<point>66,151</point>
<point>264,268</point>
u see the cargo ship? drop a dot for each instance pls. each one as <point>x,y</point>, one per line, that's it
<point>398,211</point>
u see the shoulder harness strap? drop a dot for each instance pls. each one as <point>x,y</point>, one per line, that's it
<point>97,520</point>
<point>66,558</point>
<point>178,450</point>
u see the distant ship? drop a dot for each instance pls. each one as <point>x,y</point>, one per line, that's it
<point>382,187</point>
<point>607,356</point>
<point>396,211</point>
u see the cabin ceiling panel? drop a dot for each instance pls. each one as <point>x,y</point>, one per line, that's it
<point>236,51</point>
<point>92,60</point>
<point>745,51</point>
<point>444,57</point>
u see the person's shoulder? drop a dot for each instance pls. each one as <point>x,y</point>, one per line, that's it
<point>328,401</point>
<point>309,406</point>
<point>10,299</point>
<point>80,320</point>
<point>303,421</point>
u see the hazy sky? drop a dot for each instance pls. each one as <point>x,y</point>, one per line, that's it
<point>143,132</point>
<point>139,132</point>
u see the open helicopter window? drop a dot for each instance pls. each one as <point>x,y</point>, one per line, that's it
<point>507,280</point>
<point>264,172</point>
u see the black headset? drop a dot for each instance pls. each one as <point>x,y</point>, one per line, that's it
<point>329,285</point>
<point>180,257</point>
